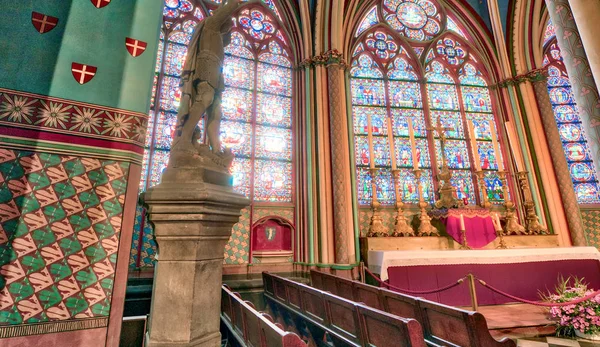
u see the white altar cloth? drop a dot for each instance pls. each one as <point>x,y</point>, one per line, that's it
<point>379,261</point>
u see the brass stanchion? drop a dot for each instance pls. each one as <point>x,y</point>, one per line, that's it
<point>473,292</point>
<point>362,272</point>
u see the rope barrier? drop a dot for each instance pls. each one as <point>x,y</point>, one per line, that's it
<point>452,285</point>
<point>537,303</point>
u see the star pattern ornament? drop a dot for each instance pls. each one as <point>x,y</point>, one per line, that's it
<point>100,3</point>
<point>135,47</point>
<point>83,73</point>
<point>42,22</point>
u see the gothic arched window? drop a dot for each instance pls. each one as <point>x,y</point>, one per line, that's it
<point>257,107</point>
<point>572,134</point>
<point>393,81</point>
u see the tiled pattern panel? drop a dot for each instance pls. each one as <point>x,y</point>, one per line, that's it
<point>238,246</point>
<point>148,247</point>
<point>591,225</point>
<point>60,219</point>
<point>555,342</point>
<point>260,212</point>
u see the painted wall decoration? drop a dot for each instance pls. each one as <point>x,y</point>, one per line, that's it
<point>59,235</point>
<point>43,23</point>
<point>387,91</point>
<point>591,223</point>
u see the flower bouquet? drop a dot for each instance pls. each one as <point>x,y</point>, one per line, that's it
<point>581,318</point>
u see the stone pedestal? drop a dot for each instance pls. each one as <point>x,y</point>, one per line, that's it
<point>192,222</point>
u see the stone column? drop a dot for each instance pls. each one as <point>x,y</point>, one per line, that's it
<point>578,68</point>
<point>563,175</point>
<point>340,160</point>
<point>587,16</point>
<point>193,211</point>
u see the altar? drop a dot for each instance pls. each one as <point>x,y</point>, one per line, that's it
<point>521,272</point>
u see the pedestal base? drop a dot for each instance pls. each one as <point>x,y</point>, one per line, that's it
<point>192,223</point>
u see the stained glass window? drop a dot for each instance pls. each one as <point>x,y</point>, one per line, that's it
<point>385,95</point>
<point>388,89</point>
<point>572,134</point>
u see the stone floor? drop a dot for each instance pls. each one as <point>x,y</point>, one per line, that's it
<point>554,342</point>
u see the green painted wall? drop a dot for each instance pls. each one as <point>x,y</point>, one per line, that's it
<point>41,63</point>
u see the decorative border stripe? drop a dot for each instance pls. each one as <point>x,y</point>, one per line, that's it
<point>34,116</point>
<point>52,327</point>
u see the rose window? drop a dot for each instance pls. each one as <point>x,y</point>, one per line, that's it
<point>382,44</point>
<point>256,24</point>
<point>451,50</point>
<point>415,19</point>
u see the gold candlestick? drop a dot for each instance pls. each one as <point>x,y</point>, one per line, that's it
<point>401,227</point>
<point>376,227</point>
<point>447,191</point>
<point>485,202</point>
<point>532,223</point>
<point>425,227</point>
<point>463,234</point>
<point>512,224</point>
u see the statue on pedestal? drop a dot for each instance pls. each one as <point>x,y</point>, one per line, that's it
<point>201,92</point>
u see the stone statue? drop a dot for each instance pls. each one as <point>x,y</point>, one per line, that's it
<point>201,91</point>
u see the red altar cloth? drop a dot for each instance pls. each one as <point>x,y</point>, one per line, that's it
<point>479,227</point>
<point>524,280</point>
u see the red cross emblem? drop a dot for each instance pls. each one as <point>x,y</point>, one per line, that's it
<point>135,47</point>
<point>83,73</point>
<point>100,3</point>
<point>42,22</point>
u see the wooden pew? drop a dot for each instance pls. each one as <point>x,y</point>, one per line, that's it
<point>250,327</point>
<point>341,321</point>
<point>442,325</point>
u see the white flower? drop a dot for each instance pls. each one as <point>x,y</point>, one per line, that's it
<point>54,115</point>
<point>86,120</point>
<point>17,109</point>
<point>116,124</point>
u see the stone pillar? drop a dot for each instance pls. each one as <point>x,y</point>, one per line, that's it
<point>578,68</point>
<point>587,16</point>
<point>192,222</point>
<point>561,168</point>
<point>340,160</point>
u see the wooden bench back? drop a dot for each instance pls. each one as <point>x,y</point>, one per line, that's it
<point>253,327</point>
<point>354,322</point>
<point>441,324</point>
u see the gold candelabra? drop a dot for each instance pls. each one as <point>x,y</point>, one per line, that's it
<point>376,227</point>
<point>485,201</point>
<point>512,224</point>
<point>401,227</point>
<point>425,227</point>
<point>532,223</point>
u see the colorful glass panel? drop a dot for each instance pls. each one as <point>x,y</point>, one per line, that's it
<point>368,21</point>
<point>174,59</point>
<point>456,153</point>
<point>170,94</point>
<point>469,75</point>
<point>381,151</point>
<point>415,19</point>
<point>400,69</point>
<point>437,73</point>
<point>451,50</point>
<point>550,32</point>
<point>364,66</point>
<point>240,170</point>
<point>572,134</point>
<point>237,104</point>
<point>386,194</point>
<point>368,92</point>
<point>378,120</point>
<point>272,181</point>
<point>160,159</point>
<point>476,99</point>
<point>273,143</point>
<point>400,119</point>
<point>404,94</point>
<point>442,97</point>
<point>274,110</point>
<point>463,181</point>
<point>451,121</point>
<point>238,137</point>
<point>453,27</point>
<point>274,79</point>
<point>238,72</point>
<point>361,151</point>
<point>165,129</point>
<point>494,188</point>
<point>404,152</point>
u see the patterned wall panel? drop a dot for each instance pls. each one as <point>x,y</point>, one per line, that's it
<point>60,221</point>
<point>142,254</point>
<point>260,212</point>
<point>237,248</point>
<point>591,225</point>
